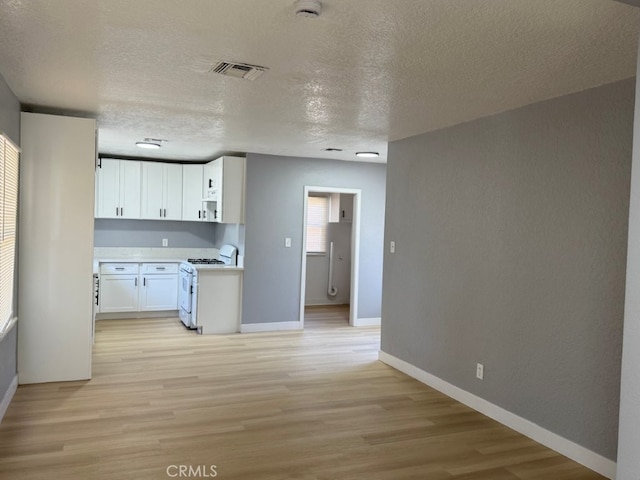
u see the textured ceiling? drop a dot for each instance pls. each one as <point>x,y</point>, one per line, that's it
<point>364,73</point>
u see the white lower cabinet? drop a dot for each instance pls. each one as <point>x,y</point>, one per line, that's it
<point>159,287</point>
<point>133,287</point>
<point>118,293</point>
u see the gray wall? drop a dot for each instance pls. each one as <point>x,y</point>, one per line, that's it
<point>318,269</point>
<point>629,435</point>
<point>149,233</point>
<point>511,236</point>
<point>274,210</point>
<point>10,125</point>
<point>231,233</point>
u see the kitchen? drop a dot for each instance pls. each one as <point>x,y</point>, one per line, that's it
<point>134,279</point>
<point>62,205</point>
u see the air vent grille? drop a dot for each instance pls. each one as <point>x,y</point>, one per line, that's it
<point>238,70</point>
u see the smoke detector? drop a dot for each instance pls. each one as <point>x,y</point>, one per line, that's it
<point>308,8</point>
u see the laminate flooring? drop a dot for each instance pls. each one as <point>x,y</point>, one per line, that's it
<point>306,405</point>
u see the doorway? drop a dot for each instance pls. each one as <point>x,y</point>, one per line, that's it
<point>330,268</point>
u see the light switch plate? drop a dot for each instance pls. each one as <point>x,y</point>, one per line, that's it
<point>392,246</point>
<point>287,242</point>
<point>165,242</point>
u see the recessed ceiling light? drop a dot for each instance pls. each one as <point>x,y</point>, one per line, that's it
<point>367,154</point>
<point>148,145</point>
<point>308,8</point>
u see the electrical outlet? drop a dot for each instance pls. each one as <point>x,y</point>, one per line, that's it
<point>287,242</point>
<point>165,242</point>
<point>392,246</point>
<point>480,371</point>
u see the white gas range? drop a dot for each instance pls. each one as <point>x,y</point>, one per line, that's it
<point>188,291</point>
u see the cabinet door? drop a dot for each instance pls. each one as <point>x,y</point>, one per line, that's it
<point>152,190</point>
<point>346,208</point>
<point>118,293</point>
<point>230,205</point>
<point>130,188</point>
<point>159,292</point>
<point>172,205</point>
<point>108,189</point>
<point>192,184</point>
<point>216,192</point>
<point>212,179</point>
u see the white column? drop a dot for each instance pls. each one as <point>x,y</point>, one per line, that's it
<point>629,420</point>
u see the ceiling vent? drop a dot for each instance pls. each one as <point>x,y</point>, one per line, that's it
<point>238,70</point>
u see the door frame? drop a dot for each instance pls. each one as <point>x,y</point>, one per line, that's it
<point>355,247</point>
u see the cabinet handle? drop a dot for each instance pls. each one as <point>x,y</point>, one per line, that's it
<point>204,214</point>
<point>161,213</point>
<point>116,211</point>
<point>119,268</point>
<point>121,211</point>
<point>199,213</point>
<point>165,213</point>
<point>215,214</point>
<point>210,183</point>
<point>136,282</point>
<point>160,268</point>
<point>144,281</point>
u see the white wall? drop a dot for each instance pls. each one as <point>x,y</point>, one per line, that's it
<point>629,420</point>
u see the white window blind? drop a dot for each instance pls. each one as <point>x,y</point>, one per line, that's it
<point>317,218</point>
<point>9,154</point>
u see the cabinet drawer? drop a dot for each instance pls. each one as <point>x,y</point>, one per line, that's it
<point>118,268</point>
<point>149,268</point>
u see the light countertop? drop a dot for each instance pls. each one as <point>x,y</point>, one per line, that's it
<point>204,268</point>
<point>98,261</point>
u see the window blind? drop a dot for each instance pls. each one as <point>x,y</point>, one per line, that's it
<point>317,218</point>
<point>9,155</point>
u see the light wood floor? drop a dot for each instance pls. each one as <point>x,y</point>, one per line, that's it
<point>312,405</point>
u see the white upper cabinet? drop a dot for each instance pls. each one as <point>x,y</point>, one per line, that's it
<point>193,191</point>
<point>224,187</point>
<point>213,192</point>
<point>118,189</point>
<point>341,208</point>
<point>161,191</point>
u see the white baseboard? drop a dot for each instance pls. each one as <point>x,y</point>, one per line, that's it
<point>576,452</point>
<point>367,322</point>
<point>269,327</point>
<point>325,303</point>
<point>8,396</point>
<point>137,315</point>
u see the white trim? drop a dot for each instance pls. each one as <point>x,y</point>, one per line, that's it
<point>8,396</point>
<point>355,248</point>
<point>269,327</point>
<point>575,452</point>
<point>338,302</point>
<point>367,322</point>
<point>137,315</point>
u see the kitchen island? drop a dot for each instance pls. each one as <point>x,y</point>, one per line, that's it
<point>219,299</point>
